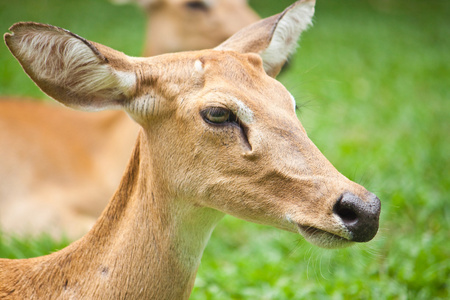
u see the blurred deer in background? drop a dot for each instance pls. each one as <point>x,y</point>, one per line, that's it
<point>178,25</point>
<point>59,166</point>
<point>219,135</point>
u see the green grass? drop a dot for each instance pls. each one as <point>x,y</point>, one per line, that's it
<point>25,247</point>
<point>372,80</point>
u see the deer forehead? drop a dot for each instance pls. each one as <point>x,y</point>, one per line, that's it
<point>209,78</point>
<point>242,83</point>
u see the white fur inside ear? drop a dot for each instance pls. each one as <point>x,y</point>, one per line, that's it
<point>286,34</point>
<point>59,58</point>
<point>126,80</point>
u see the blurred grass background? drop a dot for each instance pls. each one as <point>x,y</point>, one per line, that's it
<point>372,81</point>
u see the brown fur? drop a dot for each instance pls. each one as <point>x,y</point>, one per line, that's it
<point>42,138</point>
<point>186,173</point>
<point>60,167</point>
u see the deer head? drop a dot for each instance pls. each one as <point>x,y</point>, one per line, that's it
<point>219,131</point>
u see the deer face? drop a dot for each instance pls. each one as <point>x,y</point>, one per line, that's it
<point>239,148</point>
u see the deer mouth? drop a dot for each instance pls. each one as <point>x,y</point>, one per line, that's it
<point>322,238</point>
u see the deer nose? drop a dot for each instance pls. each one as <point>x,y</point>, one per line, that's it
<point>359,217</point>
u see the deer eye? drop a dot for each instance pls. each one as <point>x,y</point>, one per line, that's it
<point>196,5</point>
<point>218,115</point>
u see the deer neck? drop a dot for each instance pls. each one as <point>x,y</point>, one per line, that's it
<point>152,241</point>
<point>147,244</point>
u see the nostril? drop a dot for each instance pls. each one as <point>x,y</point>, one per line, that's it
<point>347,215</point>
<point>359,217</point>
<point>346,210</point>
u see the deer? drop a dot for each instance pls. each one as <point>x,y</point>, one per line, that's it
<point>219,135</point>
<point>174,25</point>
<point>59,166</point>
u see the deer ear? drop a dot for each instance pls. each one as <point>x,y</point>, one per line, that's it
<point>70,69</point>
<point>274,38</point>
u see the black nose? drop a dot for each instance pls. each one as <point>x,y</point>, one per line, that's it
<point>360,217</point>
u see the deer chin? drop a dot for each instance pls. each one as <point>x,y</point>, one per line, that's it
<point>322,238</point>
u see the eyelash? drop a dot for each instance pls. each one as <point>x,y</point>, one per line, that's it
<point>196,5</point>
<point>219,116</point>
